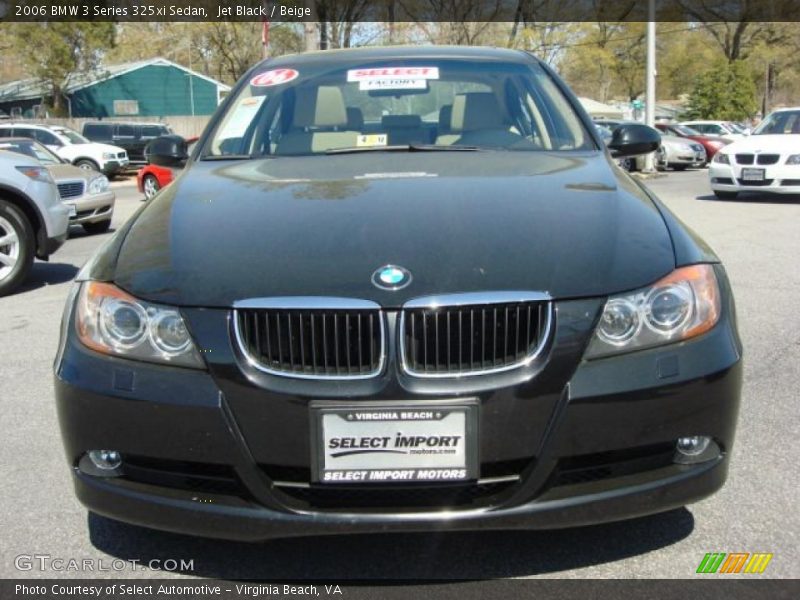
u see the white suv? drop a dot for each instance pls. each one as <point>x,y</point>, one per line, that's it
<point>33,220</point>
<point>71,145</point>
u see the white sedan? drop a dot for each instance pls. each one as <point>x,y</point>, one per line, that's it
<point>766,161</point>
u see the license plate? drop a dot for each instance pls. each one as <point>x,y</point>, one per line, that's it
<point>399,443</point>
<point>752,174</point>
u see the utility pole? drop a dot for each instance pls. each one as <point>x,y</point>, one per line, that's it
<point>650,94</point>
<point>310,29</point>
<point>265,33</point>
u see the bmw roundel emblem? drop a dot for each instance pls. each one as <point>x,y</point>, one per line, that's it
<point>391,277</point>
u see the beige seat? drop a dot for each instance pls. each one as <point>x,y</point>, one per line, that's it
<point>478,119</point>
<point>319,124</point>
<point>445,135</point>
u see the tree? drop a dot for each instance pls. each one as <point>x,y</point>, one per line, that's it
<point>726,91</point>
<point>57,51</point>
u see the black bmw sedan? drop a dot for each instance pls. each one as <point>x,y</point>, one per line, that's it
<point>399,289</point>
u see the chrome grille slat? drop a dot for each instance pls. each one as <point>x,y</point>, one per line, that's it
<point>70,189</point>
<point>311,338</point>
<point>503,331</point>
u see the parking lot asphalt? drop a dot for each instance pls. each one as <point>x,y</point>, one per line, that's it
<point>758,239</point>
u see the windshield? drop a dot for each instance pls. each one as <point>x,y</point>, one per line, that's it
<point>684,130</point>
<point>785,121</point>
<point>435,104</point>
<point>72,136</point>
<point>32,149</point>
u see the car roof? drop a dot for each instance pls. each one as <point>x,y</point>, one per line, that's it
<point>401,53</point>
<point>24,124</point>
<point>27,140</point>
<point>125,123</point>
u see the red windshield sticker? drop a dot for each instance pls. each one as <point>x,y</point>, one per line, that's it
<point>393,73</point>
<point>274,77</point>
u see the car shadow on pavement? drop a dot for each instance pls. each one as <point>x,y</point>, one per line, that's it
<point>76,231</point>
<point>430,556</point>
<point>48,273</point>
<point>755,198</point>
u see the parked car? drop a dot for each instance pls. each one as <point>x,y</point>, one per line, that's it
<point>33,221</point>
<point>71,145</point>
<point>710,143</point>
<point>151,178</point>
<point>723,129</point>
<point>328,325</point>
<point>131,136</point>
<point>673,152</point>
<point>766,161</point>
<point>85,192</point>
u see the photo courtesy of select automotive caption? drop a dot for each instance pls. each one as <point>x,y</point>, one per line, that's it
<point>399,289</point>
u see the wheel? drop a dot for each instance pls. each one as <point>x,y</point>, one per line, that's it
<point>725,195</point>
<point>98,227</point>
<point>87,164</point>
<point>150,186</point>
<point>17,247</point>
<point>629,164</point>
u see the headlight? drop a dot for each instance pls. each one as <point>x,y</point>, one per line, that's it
<point>112,321</point>
<point>98,185</point>
<point>36,173</point>
<point>721,158</point>
<point>683,305</point>
<point>794,159</point>
<point>109,155</point>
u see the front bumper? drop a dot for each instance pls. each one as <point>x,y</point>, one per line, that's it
<point>778,179</point>
<point>112,167</point>
<point>691,159</point>
<point>92,208</point>
<point>205,460</point>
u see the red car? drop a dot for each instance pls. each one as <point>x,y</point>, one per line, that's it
<point>711,143</point>
<point>151,178</point>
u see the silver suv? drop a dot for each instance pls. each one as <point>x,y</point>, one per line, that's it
<point>33,220</point>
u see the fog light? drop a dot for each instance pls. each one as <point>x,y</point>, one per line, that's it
<point>693,446</point>
<point>105,460</point>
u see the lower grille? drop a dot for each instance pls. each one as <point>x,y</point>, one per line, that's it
<point>189,476</point>
<point>723,180</point>
<point>605,465</point>
<point>440,340</point>
<point>790,182</point>
<point>71,189</point>
<point>440,497</point>
<point>499,479</point>
<point>337,343</point>
<point>763,182</point>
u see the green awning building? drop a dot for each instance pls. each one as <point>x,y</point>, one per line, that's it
<point>149,88</point>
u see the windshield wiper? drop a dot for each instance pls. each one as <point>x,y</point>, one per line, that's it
<point>403,148</point>
<point>236,156</point>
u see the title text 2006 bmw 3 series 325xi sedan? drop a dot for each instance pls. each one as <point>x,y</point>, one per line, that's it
<point>399,289</point>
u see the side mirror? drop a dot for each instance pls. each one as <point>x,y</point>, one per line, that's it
<point>633,139</point>
<point>167,151</point>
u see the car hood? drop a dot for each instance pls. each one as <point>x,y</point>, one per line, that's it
<point>780,143</point>
<point>566,224</point>
<point>67,172</point>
